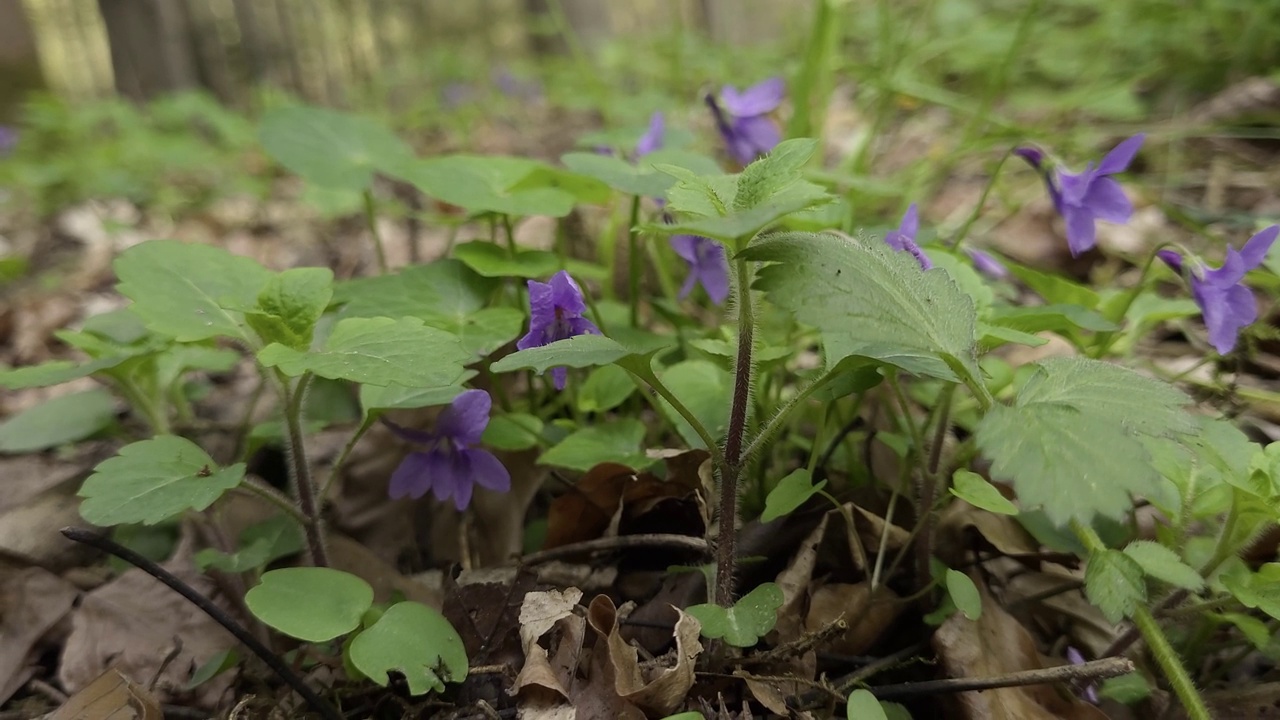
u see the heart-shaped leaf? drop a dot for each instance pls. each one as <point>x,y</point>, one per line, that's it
<point>746,622</point>
<point>414,640</point>
<point>315,604</point>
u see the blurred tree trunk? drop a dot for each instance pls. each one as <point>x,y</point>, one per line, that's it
<point>152,52</point>
<point>588,20</point>
<point>19,59</point>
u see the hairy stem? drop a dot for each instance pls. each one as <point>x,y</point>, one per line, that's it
<point>732,466</point>
<point>300,470</point>
<point>1166,657</point>
<point>371,217</point>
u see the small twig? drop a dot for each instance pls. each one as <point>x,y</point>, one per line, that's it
<point>816,685</point>
<point>799,646</point>
<point>273,661</point>
<point>1092,670</point>
<point>620,542</point>
<point>846,683</point>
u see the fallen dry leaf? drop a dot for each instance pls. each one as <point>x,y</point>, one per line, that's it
<point>539,613</point>
<point>992,646</point>
<point>1003,532</point>
<point>867,620</point>
<point>655,690</point>
<point>111,696</point>
<point>32,601</point>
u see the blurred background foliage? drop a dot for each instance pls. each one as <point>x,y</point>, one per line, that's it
<point>152,100</point>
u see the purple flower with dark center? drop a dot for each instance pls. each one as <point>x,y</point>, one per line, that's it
<point>1090,691</point>
<point>1084,198</point>
<point>707,266</point>
<point>555,313</point>
<point>904,238</point>
<point>451,466</point>
<point>744,120</point>
<point>987,264</point>
<point>653,137</point>
<point>1227,305</point>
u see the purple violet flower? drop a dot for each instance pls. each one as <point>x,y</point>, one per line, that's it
<point>1088,196</point>
<point>904,238</point>
<point>987,264</point>
<point>450,466</point>
<point>707,266</point>
<point>744,121</point>
<point>653,137</point>
<point>555,313</point>
<point>1090,691</point>
<point>1227,305</point>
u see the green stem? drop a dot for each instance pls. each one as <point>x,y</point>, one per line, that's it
<point>963,232</point>
<point>509,230</point>
<point>652,381</point>
<point>771,428</point>
<point>371,217</point>
<point>300,470</point>
<point>338,464</point>
<point>812,81</point>
<point>145,404</point>
<point>633,261</point>
<point>273,496</point>
<point>732,466</point>
<point>1106,339</point>
<point>1166,657</point>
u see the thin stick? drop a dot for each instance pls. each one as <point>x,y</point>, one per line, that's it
<point>273,661</point>
<point>621,542</point>
<point>1092,670</point>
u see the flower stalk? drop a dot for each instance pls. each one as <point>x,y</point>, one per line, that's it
<point>732,467</point>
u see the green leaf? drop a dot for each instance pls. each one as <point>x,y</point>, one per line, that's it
<point>964,594</point>
<point>575,352</point>
<point>291,304</point>
<point>153,480</point>
<point>1053,318</point>
<point>331,149</point>
<point>376,398</point>
<point>513,431</point>
<point>605,388</point>
<point>742,224</point>
<point>640,178</point>
<point>484,331</point>
<point>487,184</point>
<point>121,326</point>
<point>414,640</point>
<point>1259,590</point>
<point>862,705</point>
<point>258,546</point>
<point>791,492</point>
<point>217,664</point>
<point>55,373</point>
<point>743,624</point>
<point>186,291</point>
<point>704,388</point>
<point>315,604</point>
<point>490,260</point>
<point>870,301</point>
<point>441,289</point>
<point>1254,630</point>
<point>377,351</point>
<point>1113,582</point>
<point>1164,564</point>
<point>975,490</point>
<point>773,174</point>
<point>1056,290</point>
<point>64,419</point>
<point>617,441</point>
<point>1073,440</point>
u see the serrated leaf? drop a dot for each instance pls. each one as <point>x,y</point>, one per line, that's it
<point>964,594</point>
<point>484,331</point>
<point>1259,589</point>
<point>741,225</point>
<point>376,398</point>
<point>605,388</point>
<point>617,441</point>
<point>258,545</point>
<point>1113,582</point>
<point>316,604</point>
<point>746,622</point>
<point>185,291</point>
<point>774,174</point>
<point>55,373</point>
<point>153,480</point>
<point>332,149</point>
<point>1164,564</point>
<point>415,641</point>
<point>975,490</point>
<point>575,352</point>
<point>377,351</point>
<point>704,388</point>
<point>1073,441</point>
<point>1053,318</point>
<point>491,260</point>
<point>290,305</point>
<point>870,301</point>
<point>639,178</point>
<point>64,419</point>
<point>790,493</point>
<point>513,431</point>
